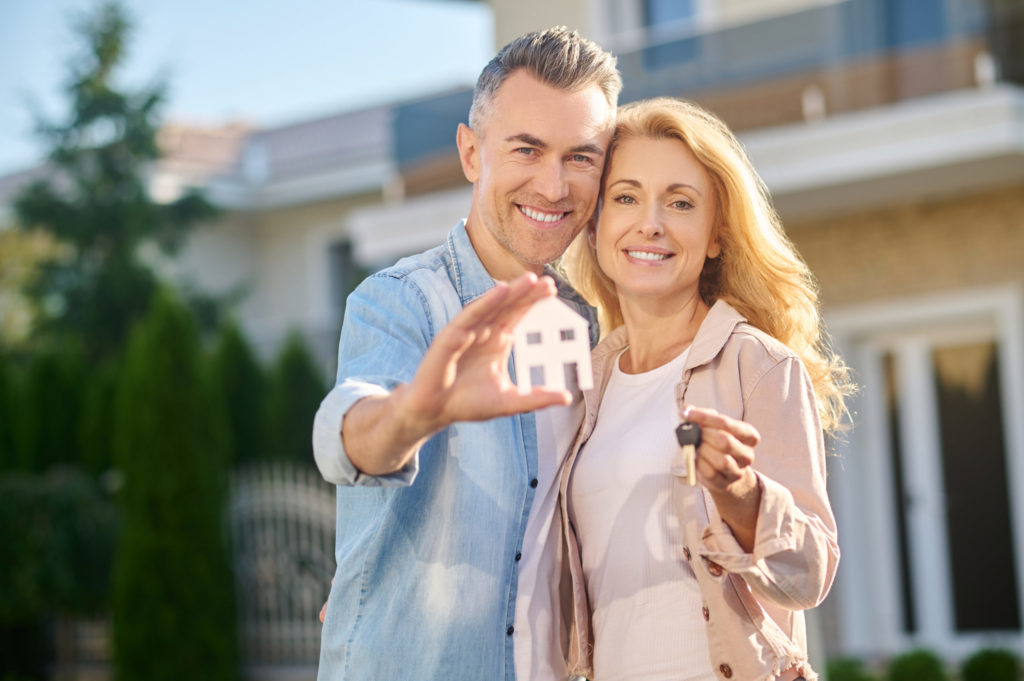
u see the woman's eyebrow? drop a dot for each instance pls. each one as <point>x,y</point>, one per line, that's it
<point>671,188</point>
<point>683,185</point>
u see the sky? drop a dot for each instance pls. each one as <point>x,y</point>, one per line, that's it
<point>267,62</point>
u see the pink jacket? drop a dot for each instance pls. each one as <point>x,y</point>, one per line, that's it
<point>752,601</point>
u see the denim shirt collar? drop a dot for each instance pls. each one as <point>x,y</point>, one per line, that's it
<point>472,279</point>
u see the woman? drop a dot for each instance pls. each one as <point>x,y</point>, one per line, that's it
<point>715,321</point>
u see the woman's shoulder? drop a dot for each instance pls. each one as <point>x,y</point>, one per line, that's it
<point>753,343</point>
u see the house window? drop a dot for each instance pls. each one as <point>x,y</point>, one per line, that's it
<point>343,273</point>
<point>571,375</point>
<point>533,338</point>
<point>568,334</point>
<point>967,450</point>
<point>537,375</point>
<point>658,12</point>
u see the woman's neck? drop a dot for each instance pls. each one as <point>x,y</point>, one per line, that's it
<point>657,334</point>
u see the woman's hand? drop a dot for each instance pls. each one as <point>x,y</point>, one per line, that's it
<point>725,462</point>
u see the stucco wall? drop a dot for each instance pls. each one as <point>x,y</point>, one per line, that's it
<point>919,248</point>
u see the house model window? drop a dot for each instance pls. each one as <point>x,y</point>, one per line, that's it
<point>552,348</point>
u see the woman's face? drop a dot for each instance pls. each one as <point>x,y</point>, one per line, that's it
<point>656,225</point>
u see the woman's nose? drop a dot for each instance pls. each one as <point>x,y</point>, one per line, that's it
<point>651,225</point>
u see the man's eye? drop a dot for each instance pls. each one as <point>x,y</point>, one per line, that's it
<point>526,151</point>
<point>580,158</point>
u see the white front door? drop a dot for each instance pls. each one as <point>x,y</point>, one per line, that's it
<point>928,490</point>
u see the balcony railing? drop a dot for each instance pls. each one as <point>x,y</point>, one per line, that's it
<point>840,56</point>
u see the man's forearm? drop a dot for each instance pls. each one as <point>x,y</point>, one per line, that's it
<point>381,433</point>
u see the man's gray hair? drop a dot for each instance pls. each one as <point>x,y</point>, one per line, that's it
<point>558,57</point>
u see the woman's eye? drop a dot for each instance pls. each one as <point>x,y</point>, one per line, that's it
<point>682,205</point>
<point>628,200</point>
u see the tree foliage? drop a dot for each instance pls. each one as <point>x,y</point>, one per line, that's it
<point>296,391</point>
<point>173,606</point>
<point>96,202</point>
<point>243,385</point>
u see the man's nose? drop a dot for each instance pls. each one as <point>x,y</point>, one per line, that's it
<point>551,181</point>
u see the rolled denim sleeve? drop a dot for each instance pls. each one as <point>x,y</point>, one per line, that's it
<point>384,336</point>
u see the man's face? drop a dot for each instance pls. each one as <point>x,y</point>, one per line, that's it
<point>535,163</point>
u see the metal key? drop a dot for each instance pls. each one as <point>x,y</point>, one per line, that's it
<point>688,434</point>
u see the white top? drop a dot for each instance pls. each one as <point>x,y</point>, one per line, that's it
<point>645,598</point>
<point>541,641</point>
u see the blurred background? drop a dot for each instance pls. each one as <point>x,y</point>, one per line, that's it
<point>189,191</point>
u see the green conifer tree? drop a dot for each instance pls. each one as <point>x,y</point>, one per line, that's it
<point>96,204</point>
<point>296,391</point>
<point>50,408</point>
<point>244,388</point>
<point>173,605</point>
<point>10,457</point>
<point>96,422</point>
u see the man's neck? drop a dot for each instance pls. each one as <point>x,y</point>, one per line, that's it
<point>499,262</point>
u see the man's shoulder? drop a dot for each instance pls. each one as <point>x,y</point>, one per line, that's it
<point>431,260</point>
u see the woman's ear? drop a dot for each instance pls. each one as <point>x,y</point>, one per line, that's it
<point>714,246</point>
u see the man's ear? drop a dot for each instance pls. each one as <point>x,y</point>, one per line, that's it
<point>592,230</point>
<point>469,152</point>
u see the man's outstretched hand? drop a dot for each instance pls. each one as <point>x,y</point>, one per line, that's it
<point>462,377</point>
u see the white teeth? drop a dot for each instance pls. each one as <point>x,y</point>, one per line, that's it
<point>541,217</point>
<point>647,255</point>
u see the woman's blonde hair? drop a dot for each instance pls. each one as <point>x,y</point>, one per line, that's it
<point>758,271</point>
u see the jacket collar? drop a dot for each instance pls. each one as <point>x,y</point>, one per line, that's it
<point>711,337</point>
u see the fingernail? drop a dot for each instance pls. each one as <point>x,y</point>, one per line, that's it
<point>686,413</point>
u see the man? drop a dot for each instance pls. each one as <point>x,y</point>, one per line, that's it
<point>448,547</point>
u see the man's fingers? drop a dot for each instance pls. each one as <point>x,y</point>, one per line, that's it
<point>504,305</point>
<point>538,398</point>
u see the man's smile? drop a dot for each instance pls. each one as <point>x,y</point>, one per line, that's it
<point>538,215</point>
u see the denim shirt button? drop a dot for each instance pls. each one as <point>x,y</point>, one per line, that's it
<point>510,630</point>
<point>533,483</point>
<point>519,557</point>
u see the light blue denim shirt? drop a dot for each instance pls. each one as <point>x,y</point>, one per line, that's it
<point>425,586</point>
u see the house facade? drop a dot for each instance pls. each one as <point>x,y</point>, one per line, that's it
<point>891,136</point>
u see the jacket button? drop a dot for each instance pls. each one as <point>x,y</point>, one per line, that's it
<point>726,670</point>
<point>715,569</point>
<point>707,613</point>
<point>510,630</point>
<point>533,483</point>
<point>686,553</point>
<point>519,557</point>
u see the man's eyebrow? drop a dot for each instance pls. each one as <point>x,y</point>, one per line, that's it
<point>588,149</point>
<point>527,138</point>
